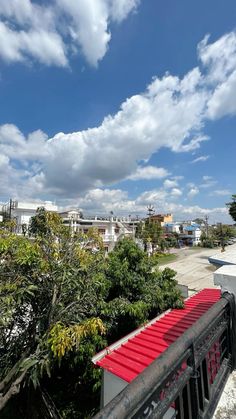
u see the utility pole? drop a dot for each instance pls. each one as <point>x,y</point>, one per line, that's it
<point>10,208</point>
<point>206,223</point>
<point>222,242</point>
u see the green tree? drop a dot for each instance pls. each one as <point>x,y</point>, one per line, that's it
<point>222,233</point>
<point>60,302</point>
<point>149,232</point>
<point>138,291</point>
<point>45,223</point>
<point>232,207</point>
<point>50,296</point>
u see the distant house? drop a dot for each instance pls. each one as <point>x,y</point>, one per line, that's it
<point>162,219</point>
<point>191,234</point>
<point>172,227</point>
<point>22,211</point>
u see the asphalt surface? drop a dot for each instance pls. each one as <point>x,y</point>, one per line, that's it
<point>193,268</point>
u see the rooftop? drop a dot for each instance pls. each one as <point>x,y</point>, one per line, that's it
<point>129,357</point>
<point>225,258</point>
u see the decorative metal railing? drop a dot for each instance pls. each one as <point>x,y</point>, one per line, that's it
<point>186,381</point>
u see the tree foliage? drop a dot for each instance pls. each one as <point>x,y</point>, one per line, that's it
<point>45,223</point>
<point>138,291</point>
<point>60,302</point>
<point>232,207</point>
<point>150,232</point>
<point>218,234</point>
<point>50,294</point>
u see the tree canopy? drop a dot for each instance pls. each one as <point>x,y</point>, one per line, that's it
<point>61,302</point>
<point>232,207</point>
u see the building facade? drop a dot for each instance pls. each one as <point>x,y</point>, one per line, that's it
<point>111,229</point>
<point>22,211</point>
<point>162,219</point>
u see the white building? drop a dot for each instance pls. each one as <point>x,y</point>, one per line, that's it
<point>191,234</point>
<point>22,211</point>
<point>172,227</point>
<point>111,229</point>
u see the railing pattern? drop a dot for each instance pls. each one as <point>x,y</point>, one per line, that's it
<point>186,381</point>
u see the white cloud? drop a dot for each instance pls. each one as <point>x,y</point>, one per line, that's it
<point>222,192</point>
<point>170,183</point>
<point>103,201</point>
<point>206,177</point>
<point>220,60</point>
<point>46,47</point>
<point>223,100</point>
<point>119,9</point>
<point>148,172</point>
<point>218,57</point>
<point>176,192</point>
<point>145,123</point>
<point>208,182</point>
<point>170,113</point>
<point>51,33</point>
<point>16,146</point>
<point>193,192</point>
<point>200,158</point>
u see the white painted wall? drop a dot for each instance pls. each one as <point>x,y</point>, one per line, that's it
<point>110,236</point>
<point>111,386</point>
<point>23,211</point>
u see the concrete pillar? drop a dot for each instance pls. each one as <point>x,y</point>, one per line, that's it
<point>226,278</point>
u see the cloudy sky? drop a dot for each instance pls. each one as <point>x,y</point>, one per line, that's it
<point>119,104</point>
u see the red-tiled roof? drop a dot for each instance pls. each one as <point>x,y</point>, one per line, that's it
<point>132,357</point>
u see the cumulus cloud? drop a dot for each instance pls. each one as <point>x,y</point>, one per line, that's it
<point>170,183</point>
<point>176,192</point>
<point>149,172</point>
<point>193,192</point>
<point>223,100</point>
<point>103,201</point>
<point>218,57</point>
<point>44,46</point>
<point>171,112</point>
<point>15,145</point>
<point>50,33</point>
<point>145,123</point>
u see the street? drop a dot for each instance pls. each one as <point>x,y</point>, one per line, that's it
<point>193,268</point>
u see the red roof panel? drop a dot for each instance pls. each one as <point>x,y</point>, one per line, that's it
<point>130,358</point>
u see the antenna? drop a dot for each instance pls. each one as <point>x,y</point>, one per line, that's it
<point>150,211</point>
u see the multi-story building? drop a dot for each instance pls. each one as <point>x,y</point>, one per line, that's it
<point>111,229</point>
<point>162,219</point>
<point>190,234</point>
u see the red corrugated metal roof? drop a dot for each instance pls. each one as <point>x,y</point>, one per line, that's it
<point>133,356</point>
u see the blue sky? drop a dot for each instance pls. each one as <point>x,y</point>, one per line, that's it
<point>118,104</point>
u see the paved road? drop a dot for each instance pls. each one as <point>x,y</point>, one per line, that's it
<point>193,268</point>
